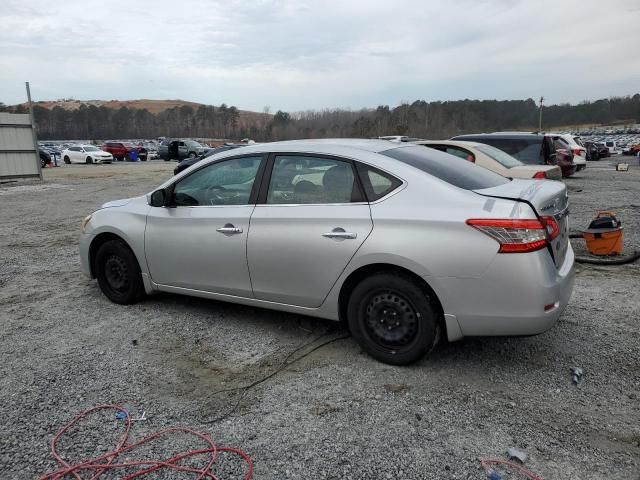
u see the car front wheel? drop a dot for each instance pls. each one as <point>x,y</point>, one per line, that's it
<point>118,273</point>
<point>89,160</point>
<point>67,160</point>
<point>393,319</point>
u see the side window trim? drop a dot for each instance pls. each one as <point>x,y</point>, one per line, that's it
<point>268,171</point>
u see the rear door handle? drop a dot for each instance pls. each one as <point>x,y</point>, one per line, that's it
<point>340,233</point>
<point>229,229</point>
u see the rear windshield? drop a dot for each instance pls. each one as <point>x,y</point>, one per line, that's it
<point>499,156</point>
<point>453,170</point>
<point>527,150</point>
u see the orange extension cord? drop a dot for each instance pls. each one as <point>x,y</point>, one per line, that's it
<point>107,462</point>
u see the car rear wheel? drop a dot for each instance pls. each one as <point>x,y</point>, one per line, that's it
<point>393,319</point>
<point>118,273</point>
<point>192,155</point>
<point>67,160</point>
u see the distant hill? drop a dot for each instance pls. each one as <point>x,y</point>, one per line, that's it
<point>101,119</point>
<point>152,106</point>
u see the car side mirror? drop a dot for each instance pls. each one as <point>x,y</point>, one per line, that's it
<point>159,198</point>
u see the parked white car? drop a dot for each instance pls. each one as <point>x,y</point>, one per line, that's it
<point>85,154</point>
<point>576,147</point>
<point>493,159</point>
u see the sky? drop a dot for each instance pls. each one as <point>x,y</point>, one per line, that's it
<point>299,55</point>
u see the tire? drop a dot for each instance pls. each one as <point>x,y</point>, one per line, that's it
<point>67,160</point>
<point>118,273</point>
<point>393,319</point>
<point>127,157</point>
<point>89,160</point>
<point>192,155</point>
<point>43,163</point>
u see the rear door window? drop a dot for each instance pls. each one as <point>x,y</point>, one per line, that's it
<point>455,171</point>
<point>304,180</point>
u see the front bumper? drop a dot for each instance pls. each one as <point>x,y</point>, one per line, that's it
<point>511,296</point>
<point>85,244</point>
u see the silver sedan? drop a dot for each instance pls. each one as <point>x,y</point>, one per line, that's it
<point>405,244</point>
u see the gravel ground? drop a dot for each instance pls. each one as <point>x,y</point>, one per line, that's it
<point>335,413</point>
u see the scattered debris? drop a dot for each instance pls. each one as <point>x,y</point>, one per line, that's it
<point>141,418</point>
<point>396,387</point>
<point>517,454</point>
<point>134,342</point>
<point>324,409</point>
<point>576,375</point>
<point>622,167</point>
<point>493,475</point>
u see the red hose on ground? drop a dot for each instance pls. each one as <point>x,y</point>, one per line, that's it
<point>487,462</point>
<point>106,462</point>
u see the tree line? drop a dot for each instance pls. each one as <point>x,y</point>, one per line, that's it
<point>418,119</point>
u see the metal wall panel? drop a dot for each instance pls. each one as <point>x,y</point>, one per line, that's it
<point>18,155</point>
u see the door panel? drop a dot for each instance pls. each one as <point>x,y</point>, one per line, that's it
<point>302,239</point>
<point>200,240</point>
<point>184,248</point>
<point>290,259</point>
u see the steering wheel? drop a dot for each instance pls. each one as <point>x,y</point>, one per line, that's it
<point>214,197</point>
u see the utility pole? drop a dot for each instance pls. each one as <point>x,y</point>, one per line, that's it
<point>540,115</point>
<point>33,129</point>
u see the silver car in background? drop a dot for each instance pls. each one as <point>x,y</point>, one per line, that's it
<point>403,242</point>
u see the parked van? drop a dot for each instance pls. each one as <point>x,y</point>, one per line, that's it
<point>612,145</point>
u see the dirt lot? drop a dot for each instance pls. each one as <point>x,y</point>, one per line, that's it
<point>65,348</point>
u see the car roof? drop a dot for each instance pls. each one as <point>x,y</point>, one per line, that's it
<point>498,135</point>
<point>462,143</point>
<point>364,144</point>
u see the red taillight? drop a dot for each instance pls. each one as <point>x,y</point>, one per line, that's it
<point>551,226</point>
<point>540,175</point>
<point>471,158</point>
<point>514,236</point>
<point>577,151</point>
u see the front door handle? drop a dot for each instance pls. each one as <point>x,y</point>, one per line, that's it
<point>340,233</point>
<point>229,229</point>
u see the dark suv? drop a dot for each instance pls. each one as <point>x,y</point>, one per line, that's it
<point>172,149</point>
<point>529,148</point>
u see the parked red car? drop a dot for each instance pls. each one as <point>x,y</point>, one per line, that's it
<point>122,151</point>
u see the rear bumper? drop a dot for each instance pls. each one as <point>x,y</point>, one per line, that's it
<point>511,296</point>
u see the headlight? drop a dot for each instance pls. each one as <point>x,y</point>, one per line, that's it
<point>85,220</point>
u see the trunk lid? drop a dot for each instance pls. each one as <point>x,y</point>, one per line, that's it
<point>548,199</point>
<point>552,172</point>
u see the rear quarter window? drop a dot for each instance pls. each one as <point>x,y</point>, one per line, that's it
<point>453,170</point>
<point>376,183</point>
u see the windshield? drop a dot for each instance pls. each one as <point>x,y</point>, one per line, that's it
<point>499,156</point>
<point>91,149</point>
<point>451,169</point>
